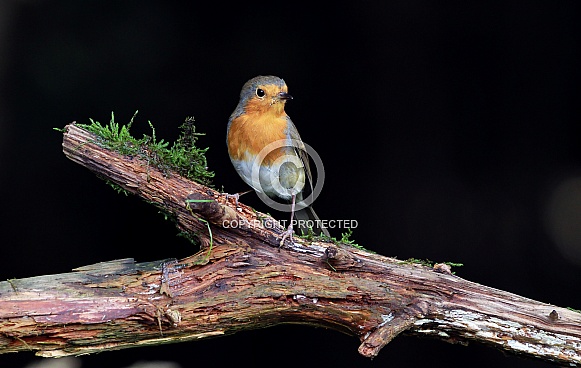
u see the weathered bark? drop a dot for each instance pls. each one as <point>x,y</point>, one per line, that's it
<point>247,281</point>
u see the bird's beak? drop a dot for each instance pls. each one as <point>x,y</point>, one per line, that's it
<point>284,96</point>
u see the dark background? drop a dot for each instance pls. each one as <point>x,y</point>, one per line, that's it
<point>447,130</point>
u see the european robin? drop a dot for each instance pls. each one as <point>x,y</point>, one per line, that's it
<point>267,151</point>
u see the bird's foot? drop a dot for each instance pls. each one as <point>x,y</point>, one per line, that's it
<point>287,234</point>
<point>236,196</point>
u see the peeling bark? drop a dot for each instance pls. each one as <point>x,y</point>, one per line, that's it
<point>246,281</point>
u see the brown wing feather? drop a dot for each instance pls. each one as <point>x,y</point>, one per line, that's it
<point>300,150</point>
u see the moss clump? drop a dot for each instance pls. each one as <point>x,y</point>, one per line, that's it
<point>182,156</point>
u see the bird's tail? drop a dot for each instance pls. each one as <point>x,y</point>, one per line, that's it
<point>308,219</point>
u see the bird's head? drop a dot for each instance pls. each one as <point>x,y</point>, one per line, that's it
<point>264,94</point>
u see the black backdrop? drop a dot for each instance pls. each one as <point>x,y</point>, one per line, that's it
<point>448,131</point>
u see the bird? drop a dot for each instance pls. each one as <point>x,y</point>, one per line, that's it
<point>267,151</point>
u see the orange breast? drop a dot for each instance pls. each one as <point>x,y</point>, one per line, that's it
<point>251,132</point>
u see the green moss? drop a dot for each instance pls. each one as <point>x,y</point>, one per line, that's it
<point>186,158</point>
<point>429,263</point>
<point>116,187</point>
<point>345,239</point>
<point>423,262</point>
<point>453,264</point>
<point>182,156</point>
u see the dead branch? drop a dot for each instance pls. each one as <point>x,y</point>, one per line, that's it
<point>246,282</point>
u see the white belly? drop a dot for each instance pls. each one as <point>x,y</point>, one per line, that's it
<point>283,179</point>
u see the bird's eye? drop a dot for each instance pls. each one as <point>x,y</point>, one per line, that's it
<point>260,92</point>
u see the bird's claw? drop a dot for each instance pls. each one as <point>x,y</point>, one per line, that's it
<point>236,197</point>
<point>287,234</point>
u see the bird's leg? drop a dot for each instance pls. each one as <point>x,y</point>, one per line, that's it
<point>289,231</point>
